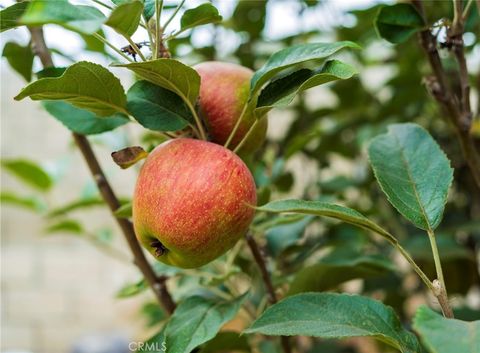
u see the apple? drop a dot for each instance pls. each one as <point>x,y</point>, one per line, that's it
<point>192,202</point>
<point>224,91</point>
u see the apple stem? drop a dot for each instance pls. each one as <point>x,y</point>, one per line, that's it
<point>272,296</point>
<point>247,135</point>
<point>157,283</point>
<point>235,128</point>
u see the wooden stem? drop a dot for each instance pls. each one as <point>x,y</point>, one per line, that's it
<point>157,283</point>
<point>456,106</point>
<point>272,297</point>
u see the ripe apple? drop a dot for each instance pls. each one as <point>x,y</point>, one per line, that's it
<point>192,202</point>
<point>224,90</point>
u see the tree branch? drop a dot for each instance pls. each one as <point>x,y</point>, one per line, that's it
<point>457,107</point>
<point>272,297</point>
<point>157,283</point>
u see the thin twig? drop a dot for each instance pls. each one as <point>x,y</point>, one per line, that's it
<point>105,41</point>
<point>157,283</point>
<point>457,107</point>
<point>272,297</point>
<point>174,14</point>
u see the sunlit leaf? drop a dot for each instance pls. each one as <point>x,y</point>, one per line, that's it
<point>85,85</point>
<point>79,18</point>
<point>170,74</point>
<point>292,56</point>
<point>125,18</point>
<point>200,15</point>
<point>281,92</point>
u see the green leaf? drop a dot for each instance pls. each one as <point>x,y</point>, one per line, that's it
<point>330,315</point>
<point>324,276</point>
<point>149,7</point>
<point>125,18</point>
<point>226,341</point>
<point>78,18</point>
<point>170,74</point>
<point>200,15</point>
<point>442,335</point>
<point>65,226</point>
<point>293,56</point>
<point>396,23</point>
<point>82,121</point>
<point>20,59</point>
<point>133,289</point>
<point>124,211</point>
<point>92,43</point>
<point>325,209</point>
<point>155,344</point>
<point>413,172</point>
<point>197,320</point>
<point>29,172</point>
<point>76,205</point>
<point>281,92</point>
<point>51,72</point>
<point>85,85</point>
<point>157,108</point>
<point>10,15</point>
<point>30,203</point>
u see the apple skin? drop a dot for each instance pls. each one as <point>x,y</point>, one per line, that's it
<point>191,202</point>
<point>224,90</point>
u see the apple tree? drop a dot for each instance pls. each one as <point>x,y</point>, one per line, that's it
<point>220,225</point>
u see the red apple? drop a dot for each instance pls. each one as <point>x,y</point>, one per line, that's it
<point>224,91</point>
<point>192,202</point>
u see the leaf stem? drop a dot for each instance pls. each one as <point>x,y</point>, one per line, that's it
<point>436,257</point>
<point>467,8</point>
<point>235,128</point>
<point>247,135</point>
<point>439,288</point>
<point>414,265</point>
<point>102,39</point>
<point>158,14</point>
<point>201,130</point>
<point>103,4</point>
<point>150,38</point>
<point>174,14</point>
